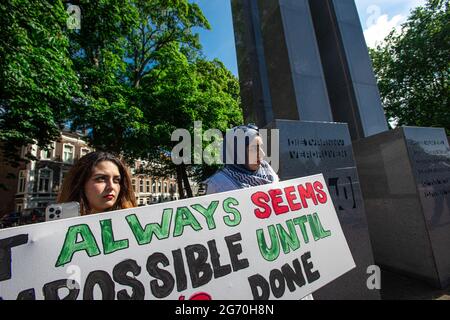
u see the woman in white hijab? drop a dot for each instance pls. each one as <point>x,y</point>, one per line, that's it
<point>242,169</point>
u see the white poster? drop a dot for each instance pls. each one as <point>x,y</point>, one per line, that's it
<point>277,241</point>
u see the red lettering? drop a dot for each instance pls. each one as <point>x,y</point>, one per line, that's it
<point>275,195</point>
<point>260,199</point>
<point>306,193</point>
<point>273,200</point>
<point>290,196</point>
<point>321,195</point>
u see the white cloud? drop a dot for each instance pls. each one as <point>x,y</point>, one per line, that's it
<point>379,17</point>
<point>381,27</point>
<point>389,7</point>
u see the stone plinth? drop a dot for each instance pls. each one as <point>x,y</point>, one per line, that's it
<point>405,179</point>
<point>308,148</point>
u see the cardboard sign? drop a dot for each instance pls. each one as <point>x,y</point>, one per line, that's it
<point>277,241</point>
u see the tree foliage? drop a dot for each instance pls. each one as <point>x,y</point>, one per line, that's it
<point>119,44</point>
<point>98,51</point>
<point>412,67</point>
<point>38,84</point>
<point>130,76</point>
<point>187,92</point>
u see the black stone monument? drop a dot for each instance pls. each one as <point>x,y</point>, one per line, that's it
<point>284,86</point>
<point>405,178</point>
<point>308,148</point>
<point>306,61</point>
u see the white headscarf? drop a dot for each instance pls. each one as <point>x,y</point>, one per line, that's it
<point>235,146</point>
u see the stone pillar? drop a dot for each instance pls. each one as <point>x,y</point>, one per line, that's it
<point>308,148</point>
<point>280,71</point>
<point>351,83</point>
<point>405,179</point>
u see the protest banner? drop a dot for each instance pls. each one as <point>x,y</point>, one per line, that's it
<point>277,241</point>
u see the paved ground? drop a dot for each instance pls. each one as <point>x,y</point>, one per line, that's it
<point>399,287</point>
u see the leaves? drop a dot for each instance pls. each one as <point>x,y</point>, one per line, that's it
<point>413,67</point>
<point>130,76</point>
<point>37,81</point>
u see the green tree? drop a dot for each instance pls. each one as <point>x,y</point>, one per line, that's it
<point>413,66</point>
<point>187,92</point>
<point>160,24</point>
<point>98,52</point>
<point>131,75</point>
<point>142,79</point>
<point>119,44</point>
<point>37,82</point>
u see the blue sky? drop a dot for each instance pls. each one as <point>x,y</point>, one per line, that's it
<point>378,18</point>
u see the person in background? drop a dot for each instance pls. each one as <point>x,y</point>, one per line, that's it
<point>246,169</point>
<point>242,169</point>
<point>99,182</point>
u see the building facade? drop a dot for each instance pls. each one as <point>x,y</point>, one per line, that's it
<point>36,184</point>
<point>30,188</point>
<point>148,189</point>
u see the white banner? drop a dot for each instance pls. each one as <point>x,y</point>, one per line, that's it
<point>277,241</point>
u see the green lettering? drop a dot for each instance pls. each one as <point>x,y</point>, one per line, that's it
<point>300,221</point>
<point>183,218</point>
<point>273,252</point>
<point>109,244</point>
<point>236,220</point>
<point>323,233</point>
<point>289,240</point>
<point>144,235</point>
<point>71,245</point>
<point>208,213</point>
<point>314,228</point>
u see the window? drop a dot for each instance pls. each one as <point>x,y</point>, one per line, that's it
<point>48,154</point>
<point>68,153</point>
<point>159,187</point>
<point>141,185</point>
<point>19,208</point>
<point>84,151</point>
<point>147,184</point>
<point>133,183</point>
<point>29,150</point>
<point>22,181</point>
<point>154,187</point>
<point>44,182</point>
<point>165,187</point>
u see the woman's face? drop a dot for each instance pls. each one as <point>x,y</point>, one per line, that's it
<point>103,187</point>
<point>255,154</point>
